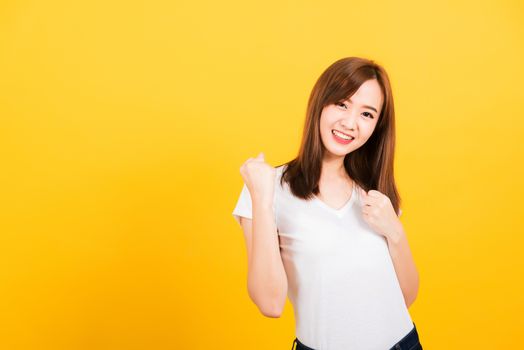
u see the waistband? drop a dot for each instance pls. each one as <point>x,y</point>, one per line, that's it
<point>407,342</point>
<point>299,345</point>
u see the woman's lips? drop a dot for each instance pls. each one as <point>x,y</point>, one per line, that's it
<point>341,140</point>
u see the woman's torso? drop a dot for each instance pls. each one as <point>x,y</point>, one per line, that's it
<point>341,279</point>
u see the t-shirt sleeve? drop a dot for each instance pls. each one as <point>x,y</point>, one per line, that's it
<point>243,206</point>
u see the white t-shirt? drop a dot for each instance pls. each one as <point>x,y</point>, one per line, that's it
<point>341,279</point>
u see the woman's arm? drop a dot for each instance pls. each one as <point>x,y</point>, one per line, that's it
<point>405,268</point>
<point>267,279</point>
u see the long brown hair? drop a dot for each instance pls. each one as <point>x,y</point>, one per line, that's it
<point>371,165</point>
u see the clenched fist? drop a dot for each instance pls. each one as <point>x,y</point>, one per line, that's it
<point>259,178</point>
<point>379,213</point>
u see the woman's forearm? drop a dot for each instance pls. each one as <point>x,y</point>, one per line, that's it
<point>405,268</point>
<point>267,280</point>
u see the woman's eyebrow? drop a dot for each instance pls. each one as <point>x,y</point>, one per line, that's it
<point>365,106</point>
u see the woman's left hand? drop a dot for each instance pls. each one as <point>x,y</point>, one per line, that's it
<point>379,213</point>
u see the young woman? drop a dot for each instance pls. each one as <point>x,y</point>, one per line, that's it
<point>324,229</point>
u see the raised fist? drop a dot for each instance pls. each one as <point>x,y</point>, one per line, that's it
<point>259,178</point>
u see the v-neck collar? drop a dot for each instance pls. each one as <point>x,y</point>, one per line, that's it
<point>340,211</point>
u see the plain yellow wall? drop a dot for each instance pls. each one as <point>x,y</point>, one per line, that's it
<point>123,126</point>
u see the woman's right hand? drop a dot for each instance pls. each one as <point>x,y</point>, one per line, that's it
<point>259,178</point>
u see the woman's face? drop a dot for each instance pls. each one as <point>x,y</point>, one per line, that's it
<point>356,117</point>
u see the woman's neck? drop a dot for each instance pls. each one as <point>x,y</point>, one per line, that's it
<point>333,168</point>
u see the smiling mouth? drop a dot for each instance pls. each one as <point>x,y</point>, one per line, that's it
<point>342,135</point>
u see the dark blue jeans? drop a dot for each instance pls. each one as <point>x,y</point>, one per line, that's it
<point>409,342</point>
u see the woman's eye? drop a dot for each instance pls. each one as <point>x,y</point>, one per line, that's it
<point>366,113</point>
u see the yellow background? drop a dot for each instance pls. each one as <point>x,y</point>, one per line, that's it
<point>124,124</point>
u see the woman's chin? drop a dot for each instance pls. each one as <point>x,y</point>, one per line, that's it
<point>335,153</point>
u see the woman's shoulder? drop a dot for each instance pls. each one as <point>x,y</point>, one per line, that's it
<point>279,170</point>
<point>280,185</point>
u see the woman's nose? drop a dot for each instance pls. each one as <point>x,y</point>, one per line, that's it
<point>349,121</point>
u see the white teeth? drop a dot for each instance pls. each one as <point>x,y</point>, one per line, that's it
<point>342,135</point>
